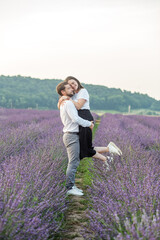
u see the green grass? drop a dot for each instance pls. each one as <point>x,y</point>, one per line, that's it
<point>83,179</point>
<point>101,112</point>
<point>85,164</point>
<point>144,112</point>
<point>133,111</point>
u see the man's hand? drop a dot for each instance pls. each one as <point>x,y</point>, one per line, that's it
<point>92,125</point>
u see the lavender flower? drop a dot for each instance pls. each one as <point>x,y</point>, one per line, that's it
<point>129,192</point>
<point>32,163</point>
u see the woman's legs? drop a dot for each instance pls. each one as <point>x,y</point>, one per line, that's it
<point>99,156</point>
<point>111,148</point>
<point>101,149</point>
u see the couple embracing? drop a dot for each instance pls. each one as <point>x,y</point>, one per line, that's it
<point>78,124</point>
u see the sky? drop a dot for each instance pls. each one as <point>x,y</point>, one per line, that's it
<point>115,43</point>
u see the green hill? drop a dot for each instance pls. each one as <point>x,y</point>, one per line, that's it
<point>27,92</point>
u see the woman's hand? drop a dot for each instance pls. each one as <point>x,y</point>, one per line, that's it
<point>63,98</point>
<point>92,125</point>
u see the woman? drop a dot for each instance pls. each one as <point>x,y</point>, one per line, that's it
<point>81,102</point>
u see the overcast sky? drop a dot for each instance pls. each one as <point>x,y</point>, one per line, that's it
<point>115,43</point>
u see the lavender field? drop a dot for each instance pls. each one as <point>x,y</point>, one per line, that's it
<point>32,164</point>
<point>125,199</point>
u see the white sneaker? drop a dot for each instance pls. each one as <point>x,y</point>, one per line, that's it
<point>110,158</point>
<point>75,187</point>
<point>75,192</point>
<point>114,149</point>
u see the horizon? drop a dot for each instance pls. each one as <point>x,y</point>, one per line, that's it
<point>113,43</point>
<point>52,79</point>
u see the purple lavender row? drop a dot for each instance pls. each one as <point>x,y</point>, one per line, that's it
<point>12,118</point>
<point>21,129</point>
<point>137,132</point>
<point>126,198</point>
<point>32,195</point>
<point>95,116</point>
<point>151,122</point>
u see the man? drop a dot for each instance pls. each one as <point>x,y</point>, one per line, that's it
<point>71,121</point>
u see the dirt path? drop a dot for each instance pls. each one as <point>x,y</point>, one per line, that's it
<point>75,217</point>
<point>76,214</point>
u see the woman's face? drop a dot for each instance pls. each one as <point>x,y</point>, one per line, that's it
<point>73,84</point>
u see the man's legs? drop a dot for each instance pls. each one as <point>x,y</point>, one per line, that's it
<point>71,142</point>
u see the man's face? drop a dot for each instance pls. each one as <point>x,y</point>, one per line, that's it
<point>68,91</point>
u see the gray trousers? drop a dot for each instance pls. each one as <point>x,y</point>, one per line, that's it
<point>71,142</point>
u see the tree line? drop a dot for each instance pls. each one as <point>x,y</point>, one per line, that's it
<point>26,92</point>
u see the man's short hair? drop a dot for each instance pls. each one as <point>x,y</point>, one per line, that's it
<point>61,86</point>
